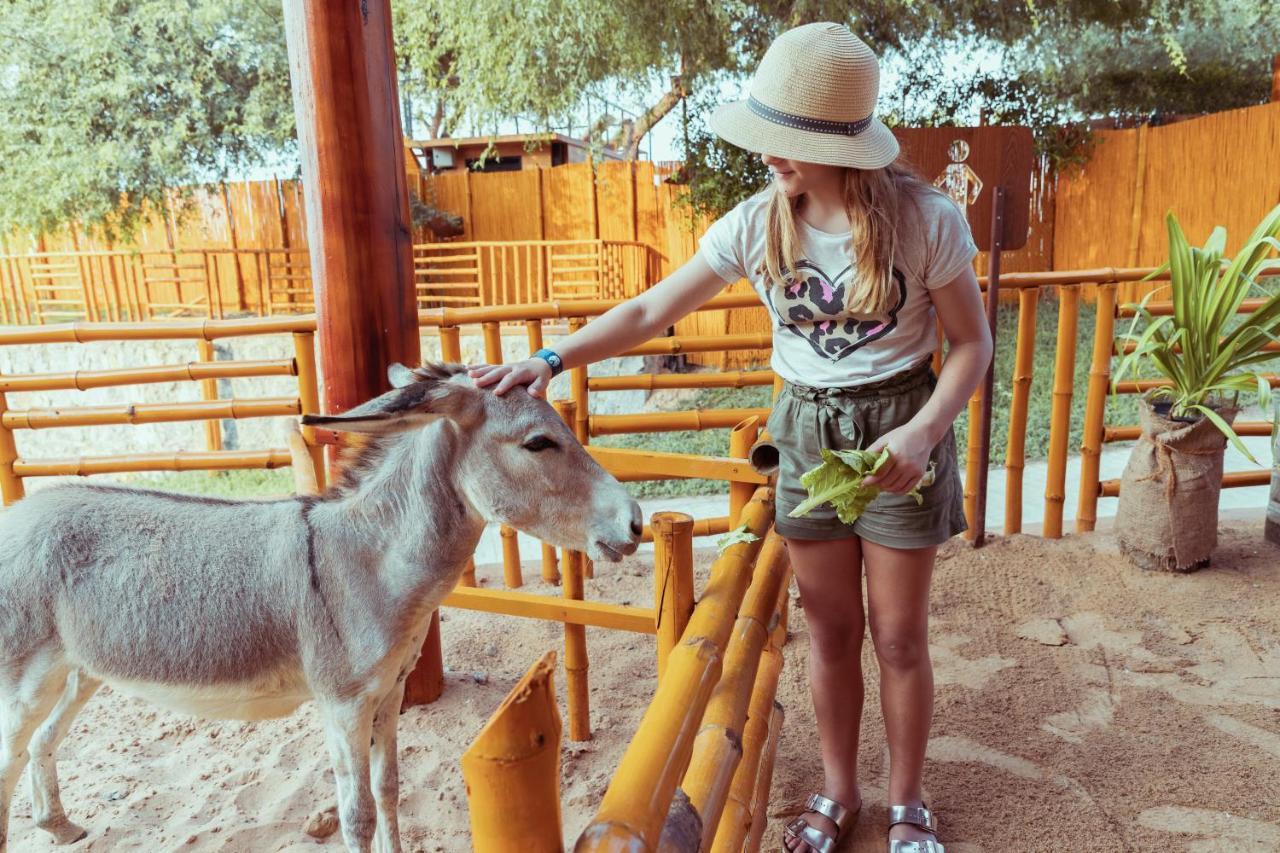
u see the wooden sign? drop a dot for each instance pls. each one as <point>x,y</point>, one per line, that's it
<point>968,163</point>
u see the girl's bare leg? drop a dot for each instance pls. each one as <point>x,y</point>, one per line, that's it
<point>898,606</point>
<point>829,574</point>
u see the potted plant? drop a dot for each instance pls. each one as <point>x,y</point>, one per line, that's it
<point>1208,353</point>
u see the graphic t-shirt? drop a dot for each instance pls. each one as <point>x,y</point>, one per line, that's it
<point>817,341</point>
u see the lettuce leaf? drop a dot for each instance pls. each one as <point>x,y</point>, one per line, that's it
<point>839,481</point>
<point>735,537</point>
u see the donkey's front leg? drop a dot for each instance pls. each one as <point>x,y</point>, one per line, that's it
<point>348,728</point>
<point>386,771</point>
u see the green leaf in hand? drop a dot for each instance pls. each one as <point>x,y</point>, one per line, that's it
<point>840,481</point>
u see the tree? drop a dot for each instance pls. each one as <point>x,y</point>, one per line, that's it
<point>108,99</point>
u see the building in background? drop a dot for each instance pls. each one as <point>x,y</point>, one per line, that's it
<point>508,153</point>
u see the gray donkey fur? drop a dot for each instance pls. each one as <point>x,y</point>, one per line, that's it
<point>246,609</point>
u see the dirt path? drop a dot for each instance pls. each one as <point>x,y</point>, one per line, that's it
<point>1154,726</point>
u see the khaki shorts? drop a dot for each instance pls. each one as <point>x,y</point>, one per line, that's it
<point>805,420</point>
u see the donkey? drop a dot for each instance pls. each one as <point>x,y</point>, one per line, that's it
<point>245,609</point>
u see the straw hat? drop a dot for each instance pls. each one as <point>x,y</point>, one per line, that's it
<point>813,99</point>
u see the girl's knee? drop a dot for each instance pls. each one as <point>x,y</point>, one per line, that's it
<point>901,649</point>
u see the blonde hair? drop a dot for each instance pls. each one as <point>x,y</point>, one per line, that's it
<point>874,201</point>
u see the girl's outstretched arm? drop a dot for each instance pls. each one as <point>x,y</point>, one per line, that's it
<point>964,320</point>
<point>621,328</point>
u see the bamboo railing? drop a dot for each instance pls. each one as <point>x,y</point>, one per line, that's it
<point>14,468</point>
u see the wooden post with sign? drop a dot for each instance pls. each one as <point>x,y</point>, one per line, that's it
<point>987,172</point>
<point>350,143</point>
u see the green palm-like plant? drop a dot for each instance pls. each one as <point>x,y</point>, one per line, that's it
<point>1193,348</point>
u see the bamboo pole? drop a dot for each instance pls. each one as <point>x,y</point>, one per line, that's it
<point>11,489</point>
<point>1230,480</point>
<point>83,466</point>
<point>701,527</point>
<point>741,438</point>
<point>450,344</point>
<point>1131,433</point>
<point>672,580</point>
<point>1095,407</point>
<point>82,380</point>
<point>155,330</point>
<point>209,391</point>
<point>745,797</point>
<point>305,470</point>
<point>578,383</point>
<point>760,804</point>
<point>702,343</point>
<point>304,357</point>
<point>147,413</point>
<point>576,664</point>
<point>718,748</point>
<point>595,614</point>
<point>698,419</point>
<point>512,769</point>
<point>636,803</point>
<point>1064,365</point>
<point>1015,459</point>
<point>972,464</point>
<point>511,574</point>
<point>469,573</point>
<point>656,381</point>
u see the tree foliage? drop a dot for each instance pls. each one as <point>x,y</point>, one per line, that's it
<point>104,99</point>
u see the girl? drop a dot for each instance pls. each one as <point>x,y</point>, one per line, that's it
<point>853,256</point>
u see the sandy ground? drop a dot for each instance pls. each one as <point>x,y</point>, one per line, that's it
<point>1081,706</point>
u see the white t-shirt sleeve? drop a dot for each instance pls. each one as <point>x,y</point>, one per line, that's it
<point>949,245</point>
<point>722,246</point>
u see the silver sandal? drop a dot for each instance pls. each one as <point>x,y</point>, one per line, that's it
<point>800,829</point>
<point>918,816</point>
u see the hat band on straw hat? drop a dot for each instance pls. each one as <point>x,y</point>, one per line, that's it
<point>816,125</point>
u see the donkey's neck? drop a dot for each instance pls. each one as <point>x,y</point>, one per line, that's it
<point>404,505</point>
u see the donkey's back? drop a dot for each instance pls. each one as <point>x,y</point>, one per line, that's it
<point>146,587</point>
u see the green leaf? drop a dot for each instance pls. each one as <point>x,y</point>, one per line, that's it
<point>1226,430</point>
<point>840,481</point>
<point>737,536</point>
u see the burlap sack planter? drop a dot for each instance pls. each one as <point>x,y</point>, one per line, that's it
<point>1168,514</point>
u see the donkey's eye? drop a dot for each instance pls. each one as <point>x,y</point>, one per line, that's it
<point>538,443</point>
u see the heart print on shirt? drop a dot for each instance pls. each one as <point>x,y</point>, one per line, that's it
<point>812,306</point>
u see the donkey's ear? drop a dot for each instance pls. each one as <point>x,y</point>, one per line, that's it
<point>400,376</point>
<point>410,407</point>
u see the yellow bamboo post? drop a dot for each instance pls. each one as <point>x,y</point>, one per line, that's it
<point>743,802</point>
<point>209,391</point>
<point>718,748</point>
<point>578,392</point>
<point>512,769</point>
<point>972,464</point>
<point>534,330</point>
<point>469,573</point>
<point>1096,407</point>
<point>1015,458</point>
<point>304,356</point>
<point>672,580</point>
<point>741,438</point>
<point>576,665</point>
<point>1064,364</point>
<point>304,468</point>
<point>450,344</point>
<point>11,489</point>
<point>760,804</point>
<point>937,352</point>
<point>550,565</point>
<point>511,573</point>
<point>638,798</point>
<point>778,382</point>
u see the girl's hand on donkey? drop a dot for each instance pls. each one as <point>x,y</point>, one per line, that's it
<point>909,449</point>
<point>533,373</point>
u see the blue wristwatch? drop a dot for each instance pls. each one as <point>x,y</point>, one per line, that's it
<point>550,358</point>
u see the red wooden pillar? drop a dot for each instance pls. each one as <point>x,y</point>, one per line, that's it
<point>352,151</point>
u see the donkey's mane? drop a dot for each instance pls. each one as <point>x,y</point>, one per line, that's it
<point>365,453</point>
